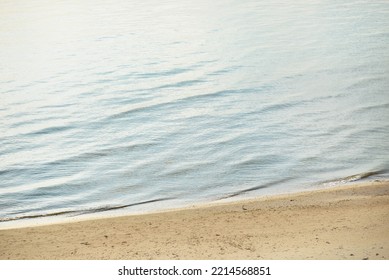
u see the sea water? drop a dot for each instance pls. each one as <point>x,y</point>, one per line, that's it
<point>147,105</point>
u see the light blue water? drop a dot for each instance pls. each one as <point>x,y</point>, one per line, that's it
<point>143,105</point>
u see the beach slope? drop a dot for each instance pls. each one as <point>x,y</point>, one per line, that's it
<point>348,222</point>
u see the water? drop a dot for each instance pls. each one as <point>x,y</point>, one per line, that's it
<point>142,105</point>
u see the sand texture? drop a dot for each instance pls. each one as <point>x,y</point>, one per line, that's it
<point>348,222</point>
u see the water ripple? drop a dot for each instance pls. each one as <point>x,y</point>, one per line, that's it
<point>126,106</point>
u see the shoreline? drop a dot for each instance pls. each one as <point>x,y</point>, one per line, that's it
<point>344,222</point>
<point>56,219</point>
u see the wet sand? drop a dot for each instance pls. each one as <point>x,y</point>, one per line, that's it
<point>348,222</point>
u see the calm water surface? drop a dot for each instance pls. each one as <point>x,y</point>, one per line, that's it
<point>143,105</point>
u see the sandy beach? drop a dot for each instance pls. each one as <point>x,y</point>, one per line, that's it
<point>348,222</point>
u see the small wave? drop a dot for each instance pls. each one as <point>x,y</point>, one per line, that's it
<point>37,186</point>
<point>224,71</point>
<point>171,72</point>
<point>88,156</point>
<point>48,130</point>
<point>371,107</point>
<point>147,106</point>
<point>352,178</point>
<point>73,213</point>
<point>12,171</point>
<point>279,106</point>
<point>179,172</point>
<point>179,84</point>
<point>244,191</point>
<point>364,83</point>
<point>255,161</point>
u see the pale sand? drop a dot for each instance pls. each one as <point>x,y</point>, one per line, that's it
<point>349,222</point>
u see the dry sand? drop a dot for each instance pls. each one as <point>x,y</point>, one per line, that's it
<point>349,222</point>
